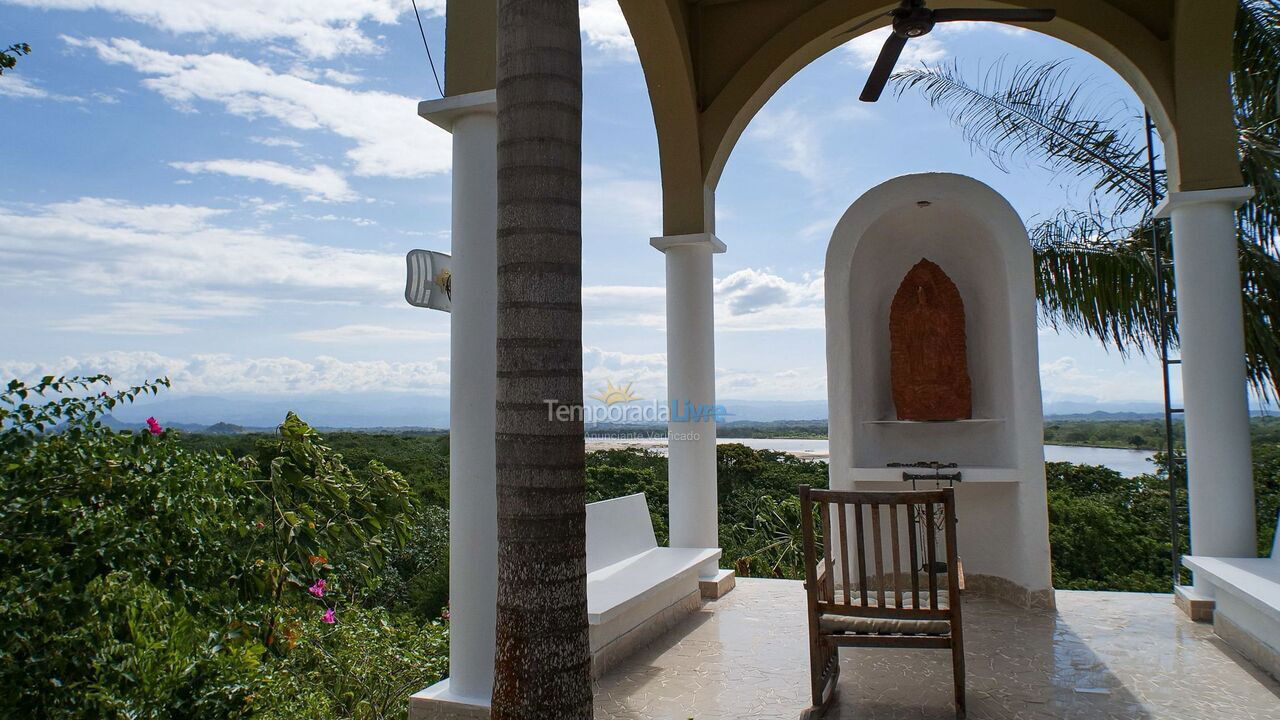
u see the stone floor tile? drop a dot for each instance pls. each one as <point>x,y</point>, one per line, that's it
<point>1130,656</point>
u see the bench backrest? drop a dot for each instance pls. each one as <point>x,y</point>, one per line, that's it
<point>618,529</point>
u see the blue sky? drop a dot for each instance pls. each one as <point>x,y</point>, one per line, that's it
<point>223,192</point>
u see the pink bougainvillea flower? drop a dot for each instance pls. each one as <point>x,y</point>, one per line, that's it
<point>153,427</point>
<point>318,588</point>
<point>329,617</point>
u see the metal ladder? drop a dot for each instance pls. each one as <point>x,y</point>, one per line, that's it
<point>1165,300</point>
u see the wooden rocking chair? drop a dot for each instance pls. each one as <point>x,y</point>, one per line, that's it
<point>868,614</point>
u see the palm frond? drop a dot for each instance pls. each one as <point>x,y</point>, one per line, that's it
<point>1255,82</point>
<point>1099,280</point>
<point>1037,110</point>
<point>1260,276</point>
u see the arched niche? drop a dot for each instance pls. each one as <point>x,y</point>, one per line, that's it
<point>976,238</point>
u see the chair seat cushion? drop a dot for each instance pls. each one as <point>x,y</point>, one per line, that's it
<point>833,624</point>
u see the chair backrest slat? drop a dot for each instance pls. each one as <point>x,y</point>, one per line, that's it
<point>862,554</point>
<point>897,562</point>
<point>878,548</point>
<point>931,542</point>
<point>953,556</point>
<point>844,555</point>
<point>914,557</point>
<point>829,585</point>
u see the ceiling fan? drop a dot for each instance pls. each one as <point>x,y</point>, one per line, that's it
<point>912,19</point>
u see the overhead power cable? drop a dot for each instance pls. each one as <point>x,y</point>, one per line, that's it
<point>423,32</point>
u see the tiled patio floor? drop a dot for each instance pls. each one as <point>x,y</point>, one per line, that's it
<point>1102,655</point>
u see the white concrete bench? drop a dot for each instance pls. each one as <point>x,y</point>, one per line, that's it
<point>635,589</point>
<point>1246,602</point>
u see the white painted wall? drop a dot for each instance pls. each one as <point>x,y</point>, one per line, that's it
<point>979,241</point>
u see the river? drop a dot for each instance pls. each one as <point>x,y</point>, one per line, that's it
<point>1127,462</point>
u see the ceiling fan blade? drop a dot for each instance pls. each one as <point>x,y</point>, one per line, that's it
<point>862,24</point>
<point>879,76</point>
<point>993,15</point>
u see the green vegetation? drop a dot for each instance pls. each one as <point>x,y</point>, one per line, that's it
<point>1140,434</point>
<point>158,574</point>
<point>143,579</point>
<point>9,56</point>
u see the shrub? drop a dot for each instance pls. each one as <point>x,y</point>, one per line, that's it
<point>141,579</point>
<point>363,668</point>
<point>416,577</point>
<point>152,658</point>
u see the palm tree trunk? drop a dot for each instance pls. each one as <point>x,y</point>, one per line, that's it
<point>542,667</point>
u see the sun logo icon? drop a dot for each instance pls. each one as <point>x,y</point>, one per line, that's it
<point>613,395</point>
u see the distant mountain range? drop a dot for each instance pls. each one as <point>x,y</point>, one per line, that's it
<point>370,411</point>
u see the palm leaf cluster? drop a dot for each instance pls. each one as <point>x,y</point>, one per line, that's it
<point>1095,271</point>
<point>1256,89</point>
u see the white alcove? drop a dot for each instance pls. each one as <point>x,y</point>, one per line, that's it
<point>978,240</point>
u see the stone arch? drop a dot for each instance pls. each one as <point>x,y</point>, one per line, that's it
<point>715,64</point>
<point>1094,26</point>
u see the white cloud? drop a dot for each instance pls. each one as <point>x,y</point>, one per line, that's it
<point>160,318</point>
<point>792,384</point>
<point>745,300</point>
<point>320,183</point>
<point>634,305</point>
<point>19,87</point>
<point>864,49</point>
<point>109,213</point>
<point>276,141</point>
<point>315,28</point>
<point>223,373</point>
<point>357,334</point>
<point>606,29</point>
<point>751,299</point>
<point>791,140</point>
<point>610,203</point>
<point>647,373</point>
<point>1064,379</point>
<point>340,77</point>
<point>390,139</point>
<point>173,252</point>
<point>330,217</point>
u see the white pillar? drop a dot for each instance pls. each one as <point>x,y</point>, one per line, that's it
<point>691,391</point>
<point>1214,391</point>
<point>473,506</point>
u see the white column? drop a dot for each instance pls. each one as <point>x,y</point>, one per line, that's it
<point>691,391</point>
<point>1214,392</point>
<point>473,506</point>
